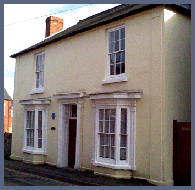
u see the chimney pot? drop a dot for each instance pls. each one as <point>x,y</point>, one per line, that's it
<point>53,25</point>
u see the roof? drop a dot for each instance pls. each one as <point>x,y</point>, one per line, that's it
<point>100,19</point>
<point>6,95</point>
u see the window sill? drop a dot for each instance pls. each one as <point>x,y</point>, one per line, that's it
<point>37,91</point>
<point>112,166</point>
<point>33,151</point>
<point>114,79</point>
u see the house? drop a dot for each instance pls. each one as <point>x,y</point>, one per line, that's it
<point>102,95</point>
<point>8,112</point>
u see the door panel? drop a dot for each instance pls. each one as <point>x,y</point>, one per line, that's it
<point>72,142</point>
<point>182,153</point>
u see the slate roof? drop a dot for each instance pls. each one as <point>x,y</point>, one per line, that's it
<point>6,95</point>
<point>100,19</point>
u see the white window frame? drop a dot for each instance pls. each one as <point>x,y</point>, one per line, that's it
<point>100,159</point>
<point>114,163</point>
<point>35,149</point>
<point>118,101</point>
<point>113,78</point>
<point>40,88</point>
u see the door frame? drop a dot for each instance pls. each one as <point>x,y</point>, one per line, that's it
<point>63,131</point>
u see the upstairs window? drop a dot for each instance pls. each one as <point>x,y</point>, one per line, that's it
<point>116,52</point>
<point>39,72</point>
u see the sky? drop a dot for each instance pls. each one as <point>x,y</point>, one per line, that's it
<point>24,25</point>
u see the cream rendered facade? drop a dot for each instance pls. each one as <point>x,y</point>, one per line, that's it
<point>158,66</point>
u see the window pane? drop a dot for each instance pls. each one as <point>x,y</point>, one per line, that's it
<point>106,126</point>
<point>122,33</point>
<point>111,69</point>
<point>40,58</point>
<point>40,134</point>
<point>111,36</point>
<point>107,113</point>
<point>111,47</point>
<point>107,152</point>
<point>112,152</point>
<point>42,62</point>
<point>37,80</point>
<point>40,79</point>
<point>118,69</point>
<point>116,46</point>
<point>112,140</point>
<point>122,44</point>
<point>73,111</point>
<point>31,133</point>
<point>112,126</point>
<point>102,151</point>
<point>116,35</point>
<point>122,67</point>
<point>42,66</point>
<point>123,141</point>
<point>112,58</point>
<point>102,137</point>
<point>112,114</point>
<point>118,55</point>
<point>101,114</point>
<point>101,126</point>
<point>37,64</point>
<point>28,120</point>
<point>39,143</point>
<point>32,142</point>
<point>122,56</point>
<point>107,140</point>
<point>40,120</point>
<point>123,114</point>
<point>123,121</point>
<point>123,154</point>
<point>28,133</point>
<point>123,127</point>
<point>28,142</point>
<point>33,120</point>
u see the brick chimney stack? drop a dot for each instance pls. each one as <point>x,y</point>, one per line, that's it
<point>53,25</point>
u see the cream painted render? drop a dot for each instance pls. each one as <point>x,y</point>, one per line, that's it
<point>75,68</point>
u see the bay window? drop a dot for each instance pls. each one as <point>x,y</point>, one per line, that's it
<point>114,130</point>
<point>35,129</point>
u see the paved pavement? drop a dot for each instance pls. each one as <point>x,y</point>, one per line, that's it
<point>13,177</point>
<point>18,173</point>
